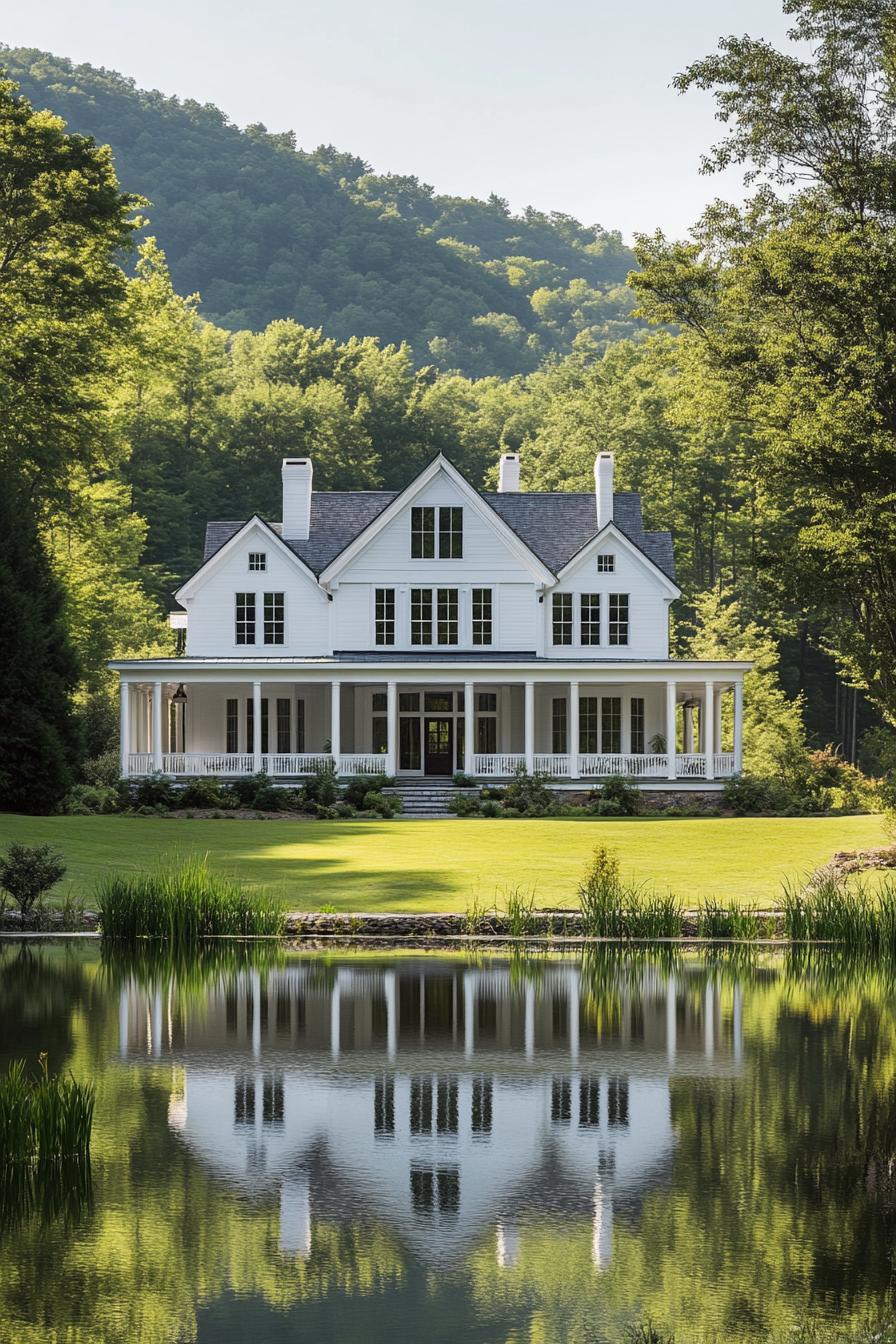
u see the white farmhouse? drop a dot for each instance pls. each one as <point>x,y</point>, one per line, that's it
<point>432,630</point>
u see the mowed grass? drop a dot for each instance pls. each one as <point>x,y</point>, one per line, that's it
<point>442,865</point>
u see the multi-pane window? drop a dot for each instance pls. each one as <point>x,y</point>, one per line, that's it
<point>606,564</point>
<point>451,533</point>
<point>637,726</point>
<point>558,725</point>
<point>487,722</point>
<point>611,724</point>
<point>274,618</point>
<point>284,725</point>
<point>380,724</point>
<point>232,734</point>
<point>250,726</point>
<point>300,725</point>
<point>562,618</point>
<point>447,615</point>
<point>588,724</point>
<point>245,618</point>
<point>421,615</point>
<point>423,533</point>
<point>385,615</point>
<point>258,561</point>
<point>482,615</point>
<point>590,618</point>
<point>618,612</point>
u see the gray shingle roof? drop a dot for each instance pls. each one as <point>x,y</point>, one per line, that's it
<point>554,526</point>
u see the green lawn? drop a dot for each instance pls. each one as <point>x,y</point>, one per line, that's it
<point>440,865</point>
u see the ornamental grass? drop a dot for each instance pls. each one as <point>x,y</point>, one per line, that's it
<point>43,1117</point>
<point>829,909</point>
<point>184,903</point>
<point>614,908</point>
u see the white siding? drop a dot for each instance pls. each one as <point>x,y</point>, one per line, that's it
<point>648,605</point>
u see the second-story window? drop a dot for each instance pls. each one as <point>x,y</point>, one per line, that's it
<point>258,560</point>
<point>617,631</point>
<point>274,618</point>
<point>590,618</point>
<point>421,615</point>
<point>447,616</point>
<point>385,615</point>
<point>482,615</point>
<point>438,603</point>
<point>423,533</point>
<point>561,613</point>
<point>245,618</point>
<point>451,533</point>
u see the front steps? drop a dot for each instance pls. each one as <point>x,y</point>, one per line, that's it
<point>425,799</point>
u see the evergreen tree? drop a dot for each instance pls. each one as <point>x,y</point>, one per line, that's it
<point>38,668</point>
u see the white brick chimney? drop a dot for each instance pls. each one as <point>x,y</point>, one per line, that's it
<point>509,474</point>
<point>296,473</point>
<point>603,488</point>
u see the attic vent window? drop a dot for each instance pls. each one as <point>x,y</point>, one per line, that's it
<point>606,564</point>
<point>258,560</point>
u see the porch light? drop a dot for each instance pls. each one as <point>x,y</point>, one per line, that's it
<point>180,696</point>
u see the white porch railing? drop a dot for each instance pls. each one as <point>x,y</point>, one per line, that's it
<point>690,765</point>
<point>600,766</point>
<point>723,763</point>
<point>499,766</point>
<point>205,763</point>
<point>362,765</point>
<point>556,765</point>
<point>304,763</point>
<point>140,762</point>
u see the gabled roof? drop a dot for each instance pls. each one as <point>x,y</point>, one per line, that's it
<point>210,561</point>
<point>554,527</point>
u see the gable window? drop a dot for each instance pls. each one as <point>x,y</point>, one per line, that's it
<point>482,615</point>
<point>421,615</point>
<point>274,621</point>
<point>385,616</point>
<point>451,533</point>
<point>618,626</point>
<point>590,618</point>
<point>562,618</point>
<point>558,726</point>
<point>284,726</point>
<point>245,618</point>
<point>588,725</point>
<point>258,561</point>
<point>232,734</point>
<point>611,724</point>
<point>637,726</point>
<point>423,533</point>
<point>447,615</point>
<point>606,564</point>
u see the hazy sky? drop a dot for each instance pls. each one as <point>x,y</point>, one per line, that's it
<point>562,104</point>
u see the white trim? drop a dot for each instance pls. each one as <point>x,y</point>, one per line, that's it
<point>191,587</point>
<point>612,530</point>
<point>489,515</point>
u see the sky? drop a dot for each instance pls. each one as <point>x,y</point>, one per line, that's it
<point>561,104</point>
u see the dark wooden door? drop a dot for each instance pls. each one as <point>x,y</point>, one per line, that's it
<point>439,747</point>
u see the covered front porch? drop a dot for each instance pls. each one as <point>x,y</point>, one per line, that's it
<point>185,721</point>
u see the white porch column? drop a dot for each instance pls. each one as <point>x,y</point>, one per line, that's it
<point>708,716</point>
<point>738,726</point>
<point>391,727</point>
<point>157,725</point>
<point>717,723</point>
<point>670,729</point>
<point>256,727</point>
<point>335,709</point>
<point>469,725</point>
<point>530,727</point>
<point>687,714</point>
<point>572,745</point>
<point>124,728</point>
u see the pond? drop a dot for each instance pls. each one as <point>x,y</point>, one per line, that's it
<point>339,1147</point>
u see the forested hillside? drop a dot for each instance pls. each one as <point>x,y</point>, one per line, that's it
<point>262,230</point>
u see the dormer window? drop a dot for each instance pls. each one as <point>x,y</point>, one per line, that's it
<point>424,532</point>
<point>258,561</point>
<point>606,564</point>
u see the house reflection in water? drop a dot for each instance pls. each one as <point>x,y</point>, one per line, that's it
<point>444,1099</point>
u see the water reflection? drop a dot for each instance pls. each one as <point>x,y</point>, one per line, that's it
<point>293,1146</point>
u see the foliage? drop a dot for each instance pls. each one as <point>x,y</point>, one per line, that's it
<point>715,920</point>
<point>616,797</point>
<point>45,1117</point>
<point>529,795</point>
<point>829,907</point>
<point>183,904</point>
<point>612,908</point>
<point>322,786</point>
<point>356,790</point>
<point>387,805</point>
<point>518,909</point>
<point>28,872</point>
<point>84,800</point>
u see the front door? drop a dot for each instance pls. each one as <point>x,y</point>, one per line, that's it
<point>439,740</point>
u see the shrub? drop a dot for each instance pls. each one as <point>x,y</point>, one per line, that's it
<point>246,787</point>
<point>268,798</point>
<point>750,795</point>
<point>27,872</point>
<point>616,797</point>
<point>154,790</point>
<point>357,789</point>
<point>201,792</point>
<point>321,787</point>
<point>103,769</point>
<point>344,810</point>
<point>489,808</point>
<point>183,904</point>
<point>85,800</point>
<point>386,805</point>
<point>463,781</point>
<point>462,805</point>
<point>529,794</point>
